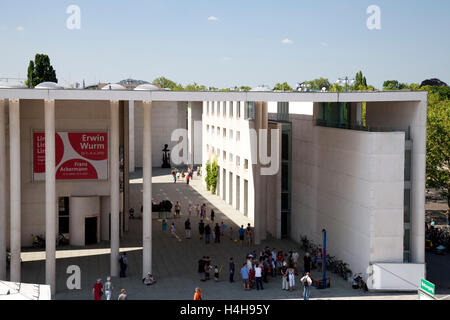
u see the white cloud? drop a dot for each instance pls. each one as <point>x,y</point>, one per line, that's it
<point>19,28</point>
<point>226,58</point>
<point>287,41</point>
<point>324,44</point>
<point>212,18</point>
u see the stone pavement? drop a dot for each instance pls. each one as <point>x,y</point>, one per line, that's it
<point>175,259</point>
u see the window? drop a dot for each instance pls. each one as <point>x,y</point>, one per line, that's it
<point>231,109</point>
<point>231,135</point>
<point>238,136</point>
<point>245,164</point>
<point>238,109</point>
<point>224,105</point>
<point>207,129</point>
<point>224,156</point>
<point>250,112</point>
<point>224,133</point>
<point>231,158</point>
<point>238,161</point>
<point>212,108</point>
<point>218,131</point>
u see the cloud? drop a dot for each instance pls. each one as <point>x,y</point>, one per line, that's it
<point>19,28</point>
<point>324,44</point>
<point>212,18</point>
<point>287,41</point>
<point>226,58</point>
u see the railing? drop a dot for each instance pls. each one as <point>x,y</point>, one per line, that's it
<point>324,123</point>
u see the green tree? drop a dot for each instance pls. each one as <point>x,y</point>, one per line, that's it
<point>195,87</point>
<point>40,70</point>
<point>166,83</point>
<point>360,81</point>
<point>438,143</point>
<point>212,172</point>
<point>245,88</point>
<point>282,87</point>
<point>319,83</point>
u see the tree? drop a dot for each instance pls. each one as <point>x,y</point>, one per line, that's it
<point>166,83</point>
<point>438,143</point>
<point>395,85</point>
<point>319,83</point>
<point>40,70</point>
<point>212,172</point>
<point>282,87</point>
<point>245,88</point>
<point>195,87</point>
<point>360,81</point>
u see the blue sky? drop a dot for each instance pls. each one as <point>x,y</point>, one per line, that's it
<point>243,46</point>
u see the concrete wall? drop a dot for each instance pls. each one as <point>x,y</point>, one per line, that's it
<point>69,115</point>
<point>351,184</point>
<point>166,117</point>
<point>80,209</point>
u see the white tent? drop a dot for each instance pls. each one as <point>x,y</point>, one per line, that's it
<point>24,291</point>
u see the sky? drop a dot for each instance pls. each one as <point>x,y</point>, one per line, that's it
<point>228,43</point>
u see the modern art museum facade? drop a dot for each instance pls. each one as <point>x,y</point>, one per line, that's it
<point>354,166</point>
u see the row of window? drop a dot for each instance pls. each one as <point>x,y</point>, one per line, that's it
<point>231,137</point>
<point>220,108</point>
<point>230,156</point>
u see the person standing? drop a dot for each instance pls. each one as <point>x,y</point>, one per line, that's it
<point>244,275</point>
<point>164,225</point>
<point>284,277</point>
<point>198,294</point>
<point>241,235</point>
<point>201,229</point>
<point>212,215</point>
<point>307,282</point>
<point>307,263</point>
<point>447,213</point>
<point>190,209</point>
<point>188,177</point>
<point>291,278</point>
<point>172,230</point>
<point>174,174</point>
<point>108,288</point>
<point>177,209</point>
<point>223,227</point>
<point>295,257</point>
<point>187,228</point>
<point>123,295</point>
<point>123,260</point>
<point>232,267</point>
<point>258,276</point>
<point>217,232</point>
<point>97,291</point>
<point>249,234</point>
<point>207,233</point>
<point>198,208</point>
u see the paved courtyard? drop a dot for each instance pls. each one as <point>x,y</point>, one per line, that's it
<point>175,259</point>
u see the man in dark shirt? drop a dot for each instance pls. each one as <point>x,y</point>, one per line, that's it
<point>201,229</point>
<point>307,263</point>
<point>207,233</point>
<point>231,270</point>
<point>187,228</point>
<point>217,232</point>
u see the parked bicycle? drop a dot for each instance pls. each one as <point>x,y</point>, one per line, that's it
<point>359,283</point>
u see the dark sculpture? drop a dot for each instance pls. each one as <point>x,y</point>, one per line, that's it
<point>166,157</point>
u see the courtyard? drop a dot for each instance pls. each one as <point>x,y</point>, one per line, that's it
<point>175,258</point>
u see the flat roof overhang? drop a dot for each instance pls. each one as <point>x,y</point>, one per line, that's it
<point>125,95</point>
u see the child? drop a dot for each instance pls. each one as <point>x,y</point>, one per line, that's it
<point>172,229</point>
<point>164,225</point>
<point>223,227</point>
<point>216,273</point>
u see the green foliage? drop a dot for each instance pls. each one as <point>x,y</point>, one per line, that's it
<point>212,172</point>
<point>438,141</point>
<point>319,83</point>
<point>40,70</point>
<point>360,81</point>
<point>282,87</point>
<point>245,88</point>
<point>195,87</point>
<point>166,83</point>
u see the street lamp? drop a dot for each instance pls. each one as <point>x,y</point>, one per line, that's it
<point>345,82</point>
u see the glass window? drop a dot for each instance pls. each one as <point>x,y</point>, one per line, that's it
<point>231,108</point>
<point>224,105</point>
<point>250,110</point>
<point>238,109</point>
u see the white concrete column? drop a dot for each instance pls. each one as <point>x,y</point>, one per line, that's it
<point>131,135</point>
<point>2,191</point>
<point>190,135</point>
<point>147,192</point>
<point>50,195</point>
<point>115,187</point>
<point>15,188</point>
<point>258,206</point>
